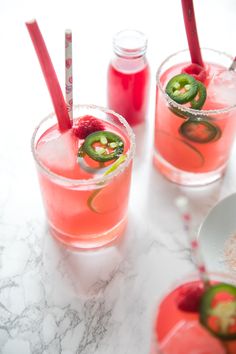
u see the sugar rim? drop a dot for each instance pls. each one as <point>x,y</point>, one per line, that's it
<point>90,181</point>
<point>194,112</point>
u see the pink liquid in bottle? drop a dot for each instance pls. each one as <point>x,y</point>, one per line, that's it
<point>128,77</point>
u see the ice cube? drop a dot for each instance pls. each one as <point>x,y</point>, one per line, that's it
<point>222,88</point>
<point>58,151</point>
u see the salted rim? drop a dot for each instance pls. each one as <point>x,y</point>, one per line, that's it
<point>224,276</point>
<point>192,276</point>
<point>195,112</point>
<point>89,181</point>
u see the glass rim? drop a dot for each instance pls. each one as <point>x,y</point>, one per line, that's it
<point>192,111</point>
<point>194,276</point>
<point>89,181</point>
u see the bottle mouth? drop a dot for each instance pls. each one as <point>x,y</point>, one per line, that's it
<point>130,43</point>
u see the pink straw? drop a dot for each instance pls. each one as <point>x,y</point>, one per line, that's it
<point>183,205</point>
<point>69,73</point>
<point>50,76</point>
<point>191,32</point>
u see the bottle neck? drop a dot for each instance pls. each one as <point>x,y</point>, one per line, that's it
<point>130,44</point>
<point>129,65</point>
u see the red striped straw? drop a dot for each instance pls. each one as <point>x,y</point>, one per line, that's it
<point>182,204</point>
<point>69,73</point>
<point>191,32</point>
<point>50,76</point>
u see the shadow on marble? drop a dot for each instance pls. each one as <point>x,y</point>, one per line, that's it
<point>163,219</point>
<point>201,198</point>
<point>80,272</point>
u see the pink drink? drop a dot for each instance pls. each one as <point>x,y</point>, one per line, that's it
<point>86,207</point>
<point>177,156</point>
<point>128,76</point>
<point>128,91</point>
<point>180,332</point>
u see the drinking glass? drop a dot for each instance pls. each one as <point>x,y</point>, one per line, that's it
<point>178,331</point>
<point>192,147</point>
<point>86,207</point>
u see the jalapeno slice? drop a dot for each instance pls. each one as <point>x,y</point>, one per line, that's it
<point>218,311</point>
<point>200,98</point>
<point>103,146</point>
<point>182,88</point>
<point>199,131</point>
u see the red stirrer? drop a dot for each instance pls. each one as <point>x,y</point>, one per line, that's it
<point>50,76</point>
<point>191,32</point>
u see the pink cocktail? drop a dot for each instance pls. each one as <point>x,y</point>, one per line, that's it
<point>85,194</point>
<point>192,146</point>
<point>180,325</point>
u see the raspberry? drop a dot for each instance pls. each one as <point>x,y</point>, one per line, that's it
<point>189,297</point>
<point>87,125</point>
<point>195,70</point>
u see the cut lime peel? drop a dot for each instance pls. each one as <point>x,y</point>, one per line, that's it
<point>116,164</point>
<point>113,167</point>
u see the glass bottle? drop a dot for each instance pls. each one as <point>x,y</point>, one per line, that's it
<point>129,76</point>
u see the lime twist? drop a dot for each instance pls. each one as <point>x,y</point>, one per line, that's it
<point>96,198</point>
<point>102,146</point>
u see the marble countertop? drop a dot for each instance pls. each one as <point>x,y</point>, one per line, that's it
<point>56,301</point>
<point>53,300</point>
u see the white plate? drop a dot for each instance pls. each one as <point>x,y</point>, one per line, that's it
<point>215,234</point>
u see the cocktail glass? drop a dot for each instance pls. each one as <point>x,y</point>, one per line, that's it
<point>192,147</point>
<point>85,201</point>
<point>177,328</point>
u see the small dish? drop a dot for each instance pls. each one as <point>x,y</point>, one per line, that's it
<point>217,236</point>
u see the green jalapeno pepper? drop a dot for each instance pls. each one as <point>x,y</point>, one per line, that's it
<point>182,88</point>
<point>218,311</point>
<point>201,97</point>
<point>102,146</point>
<point>199,131</point>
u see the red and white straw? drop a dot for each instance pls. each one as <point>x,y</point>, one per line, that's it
<point>68,73</point>
<point>182,204</point>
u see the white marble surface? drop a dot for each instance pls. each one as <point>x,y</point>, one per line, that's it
<point>52,300</point>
